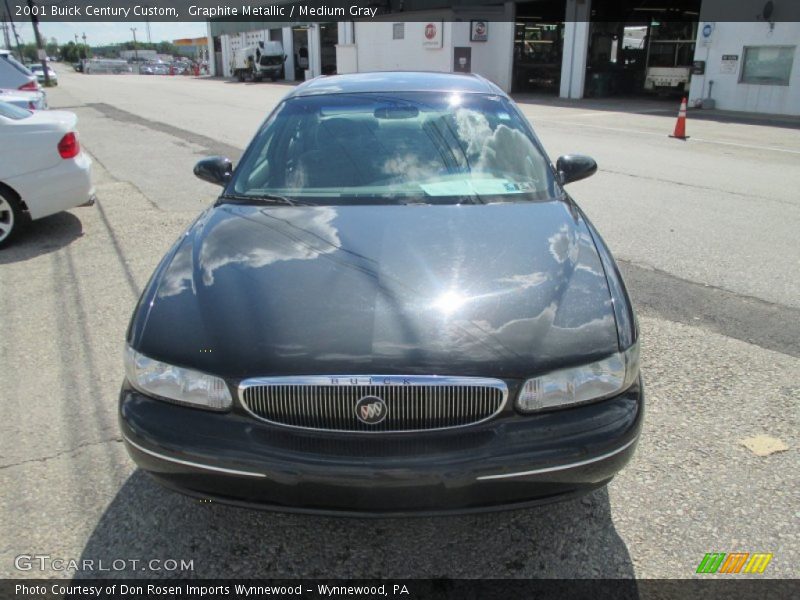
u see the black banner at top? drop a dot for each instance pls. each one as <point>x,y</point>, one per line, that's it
<point>300,11</point>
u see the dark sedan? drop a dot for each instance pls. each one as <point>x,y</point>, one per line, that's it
<point>394,307</point>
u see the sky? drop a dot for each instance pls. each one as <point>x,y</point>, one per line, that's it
<point>100,34</point>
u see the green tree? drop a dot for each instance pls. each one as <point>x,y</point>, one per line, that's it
<point>30,52</point>
<point>72,52</point>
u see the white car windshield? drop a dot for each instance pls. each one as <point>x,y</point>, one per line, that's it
<point>424,147</point>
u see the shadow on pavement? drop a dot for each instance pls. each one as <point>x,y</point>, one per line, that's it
<point>623,104</point>
<point>573,539</point>
<point>657,106</point>
<point>739,118</point>
<point>280,82</point>
<point>42,237</point>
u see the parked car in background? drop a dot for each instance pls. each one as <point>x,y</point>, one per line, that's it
<point>14,75</point>
<point>25,99</point>
<point>38,70</point>
<point>42,168</point>
<point>394,306</point>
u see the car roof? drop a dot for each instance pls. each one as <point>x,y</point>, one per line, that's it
<point>397,81</point>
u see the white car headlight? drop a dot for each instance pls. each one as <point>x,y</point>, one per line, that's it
<point>575,385</point>
<point>176,384</point>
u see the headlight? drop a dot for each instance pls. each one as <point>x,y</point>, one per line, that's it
<point>575,385</point>
<point>176,384</point>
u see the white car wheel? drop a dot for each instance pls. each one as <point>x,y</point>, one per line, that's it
<point>11,217</point>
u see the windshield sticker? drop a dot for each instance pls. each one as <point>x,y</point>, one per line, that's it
<point>478,187</point>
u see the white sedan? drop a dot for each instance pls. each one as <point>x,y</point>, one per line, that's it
<point>38,70</point>
<point>42,168</point>
<point>25,99</point>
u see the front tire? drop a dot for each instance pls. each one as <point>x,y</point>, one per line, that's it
<point>12,217</point>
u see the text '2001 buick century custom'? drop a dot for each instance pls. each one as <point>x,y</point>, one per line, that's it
<point>392,308</point>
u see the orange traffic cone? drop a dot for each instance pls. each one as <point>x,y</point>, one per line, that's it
<point>680,125</point>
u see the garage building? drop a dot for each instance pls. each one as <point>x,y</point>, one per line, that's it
<point>566,48</point>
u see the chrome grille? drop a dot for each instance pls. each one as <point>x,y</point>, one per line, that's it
<point>413,403</point>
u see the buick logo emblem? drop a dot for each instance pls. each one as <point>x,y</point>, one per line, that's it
<point>371,410</point>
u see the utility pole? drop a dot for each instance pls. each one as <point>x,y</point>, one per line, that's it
<point>14,29</point>
<point>6,39</point>
<point>147,24</point>
<point>42,53</point>
<point>135,50</point>
<point>77,49</point>
<point>85,47</point>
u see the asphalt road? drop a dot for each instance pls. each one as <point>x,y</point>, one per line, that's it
<point>705,231</point>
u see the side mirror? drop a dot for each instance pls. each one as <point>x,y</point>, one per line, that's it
<point>574,167</point>
<point>214,169</point>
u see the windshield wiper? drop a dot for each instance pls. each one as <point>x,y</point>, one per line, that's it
<point>269,199</point>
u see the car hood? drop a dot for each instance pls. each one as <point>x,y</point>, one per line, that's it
<point>502,290</point>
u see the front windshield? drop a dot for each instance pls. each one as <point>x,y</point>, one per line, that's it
<point>374,148</point>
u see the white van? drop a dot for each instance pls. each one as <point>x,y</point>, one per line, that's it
<point>14,75</point>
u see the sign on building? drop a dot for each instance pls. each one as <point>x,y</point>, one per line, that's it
<point>478,31</point>
<point>432,35</point>
<point>730,62</point>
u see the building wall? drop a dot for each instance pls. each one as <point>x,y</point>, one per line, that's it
<point>728,92</point>
<point>376,50</point>
<point>493,58</point>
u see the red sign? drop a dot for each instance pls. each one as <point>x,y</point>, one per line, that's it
<point>430,31</point>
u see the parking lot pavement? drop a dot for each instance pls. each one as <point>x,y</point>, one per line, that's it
<point>69,286</point>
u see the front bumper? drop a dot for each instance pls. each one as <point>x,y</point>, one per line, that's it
<point>508,462</point>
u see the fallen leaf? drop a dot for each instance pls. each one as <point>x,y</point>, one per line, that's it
<point>764,445</point>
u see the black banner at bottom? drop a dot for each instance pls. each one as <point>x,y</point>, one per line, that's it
<point>401,589</point>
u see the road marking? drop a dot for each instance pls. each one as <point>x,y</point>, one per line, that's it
<point>754,147</point>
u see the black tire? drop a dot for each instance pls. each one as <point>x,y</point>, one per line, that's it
<point>13,218</point>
